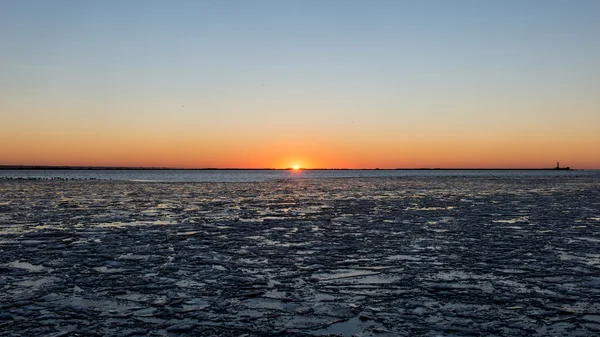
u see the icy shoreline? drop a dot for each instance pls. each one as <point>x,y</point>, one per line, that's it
<point>424,256</point>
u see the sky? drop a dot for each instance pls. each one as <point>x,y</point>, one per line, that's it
<point>319,84</point>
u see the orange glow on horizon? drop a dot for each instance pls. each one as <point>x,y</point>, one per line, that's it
<point>169,149</point>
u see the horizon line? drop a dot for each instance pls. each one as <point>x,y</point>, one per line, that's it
<point>141,168</point>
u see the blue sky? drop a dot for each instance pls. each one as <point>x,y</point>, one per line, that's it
<point>413,67</point>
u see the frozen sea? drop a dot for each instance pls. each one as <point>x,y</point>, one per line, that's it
<point>310,253</point>
<point>268,175</point>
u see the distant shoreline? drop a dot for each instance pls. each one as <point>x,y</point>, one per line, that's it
<point>113,168</point>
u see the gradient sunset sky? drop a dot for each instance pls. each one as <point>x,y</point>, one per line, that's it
<point>353,84</point>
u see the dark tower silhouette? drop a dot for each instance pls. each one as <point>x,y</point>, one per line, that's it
<point>561,168</point>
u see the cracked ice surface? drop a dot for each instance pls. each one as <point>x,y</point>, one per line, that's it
<point>511,256</point>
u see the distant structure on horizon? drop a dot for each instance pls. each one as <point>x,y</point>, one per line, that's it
<point>561,168</point>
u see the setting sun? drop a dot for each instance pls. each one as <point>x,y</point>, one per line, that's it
<point>296,167</point>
